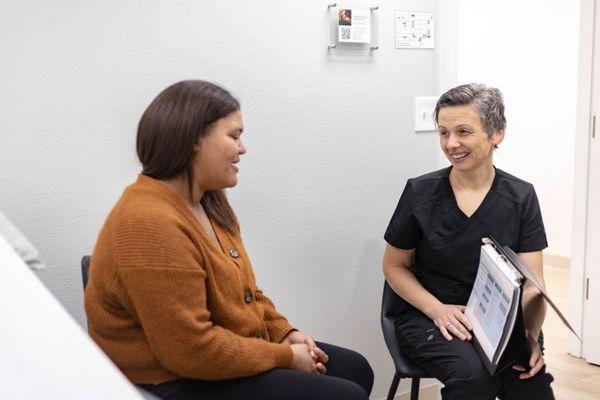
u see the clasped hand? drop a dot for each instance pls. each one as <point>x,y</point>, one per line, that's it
<point>451,320</point>
<point>307,356</point>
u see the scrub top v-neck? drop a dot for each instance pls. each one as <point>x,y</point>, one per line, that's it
<point>447,242</point>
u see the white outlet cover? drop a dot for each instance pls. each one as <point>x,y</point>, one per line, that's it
<point>424,107</point>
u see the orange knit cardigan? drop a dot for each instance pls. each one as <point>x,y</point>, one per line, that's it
<point>164,301</point>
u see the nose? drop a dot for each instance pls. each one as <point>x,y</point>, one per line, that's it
<point>242,147</point>
<point>452,142</point>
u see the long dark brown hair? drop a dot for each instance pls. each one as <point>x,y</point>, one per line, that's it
<point>172,125</point>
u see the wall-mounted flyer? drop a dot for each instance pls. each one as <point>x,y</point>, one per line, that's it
<point>354,25</point>
<point>414,30</point>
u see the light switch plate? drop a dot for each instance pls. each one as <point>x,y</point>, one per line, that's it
<point>424,107</point>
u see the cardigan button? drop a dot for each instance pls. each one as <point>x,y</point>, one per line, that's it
<point>248,297</point>
<point>234,253</point>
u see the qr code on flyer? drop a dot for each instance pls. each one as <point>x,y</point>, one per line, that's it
<point>345,33</point>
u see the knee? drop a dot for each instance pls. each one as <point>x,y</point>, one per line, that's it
<point>536,387</point>
<point>368,374</point>
<point>349,365</point>
<point>363,372</point>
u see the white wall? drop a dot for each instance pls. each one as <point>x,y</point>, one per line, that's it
<point>529,50</point>
<point>329,137</point>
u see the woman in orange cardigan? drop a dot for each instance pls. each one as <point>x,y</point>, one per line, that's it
<point>172,298</point>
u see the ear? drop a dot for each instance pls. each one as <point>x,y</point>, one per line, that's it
<point>498,137</point>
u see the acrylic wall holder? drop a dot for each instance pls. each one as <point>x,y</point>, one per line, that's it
<point>353,28</point>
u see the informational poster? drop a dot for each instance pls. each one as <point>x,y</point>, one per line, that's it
<point>414,30</point>
<point>354,25</point>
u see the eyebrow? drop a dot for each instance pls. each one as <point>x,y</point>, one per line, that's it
<point>457,126</point>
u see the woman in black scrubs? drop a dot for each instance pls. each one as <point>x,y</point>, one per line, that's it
<point>433,246</point>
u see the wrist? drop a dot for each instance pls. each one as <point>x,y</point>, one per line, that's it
<point>430,309</point>
<point>288,337</point>
<point>532,334</point>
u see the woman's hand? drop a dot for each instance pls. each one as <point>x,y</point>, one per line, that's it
<point>302,360</point>
<point>450,318</point>
<point>536,361</point>
<point>319,357</point>
<point>299,337</point>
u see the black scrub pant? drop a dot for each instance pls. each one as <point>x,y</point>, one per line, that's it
<point>349,377</point>
<point>457,365</point>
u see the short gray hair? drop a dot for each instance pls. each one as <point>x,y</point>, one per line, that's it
<point>487,100</point>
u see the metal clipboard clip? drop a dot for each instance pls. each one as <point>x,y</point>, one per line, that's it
<point>490,241</point>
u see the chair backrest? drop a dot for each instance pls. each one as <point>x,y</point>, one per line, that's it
<point>389,306</point>
<point>85,266</point>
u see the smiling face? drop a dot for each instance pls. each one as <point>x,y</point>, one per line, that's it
<point>463,139</point>
<point>217,153</point>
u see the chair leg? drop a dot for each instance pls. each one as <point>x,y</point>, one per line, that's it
<point>414,389</point>
<point>394,386</point>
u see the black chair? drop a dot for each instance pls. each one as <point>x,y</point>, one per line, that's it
<point>405,367</point>
<point>85,266</point>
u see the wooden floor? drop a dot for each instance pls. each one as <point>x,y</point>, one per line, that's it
<point>574,379</point>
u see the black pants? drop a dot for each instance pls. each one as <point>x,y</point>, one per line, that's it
<point>349,377</point>
<point>457,365</point>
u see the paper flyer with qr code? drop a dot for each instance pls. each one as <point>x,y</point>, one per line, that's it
<point>354,25</point>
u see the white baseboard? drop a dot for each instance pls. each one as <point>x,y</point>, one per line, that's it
<point>429,392</point>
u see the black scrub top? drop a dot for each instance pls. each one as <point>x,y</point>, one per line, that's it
<point>447,243</point>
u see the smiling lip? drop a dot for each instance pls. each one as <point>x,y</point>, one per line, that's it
<point>235,167</point>
<point>459,156</point>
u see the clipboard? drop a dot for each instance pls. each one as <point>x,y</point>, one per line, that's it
<point>509,345</point>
